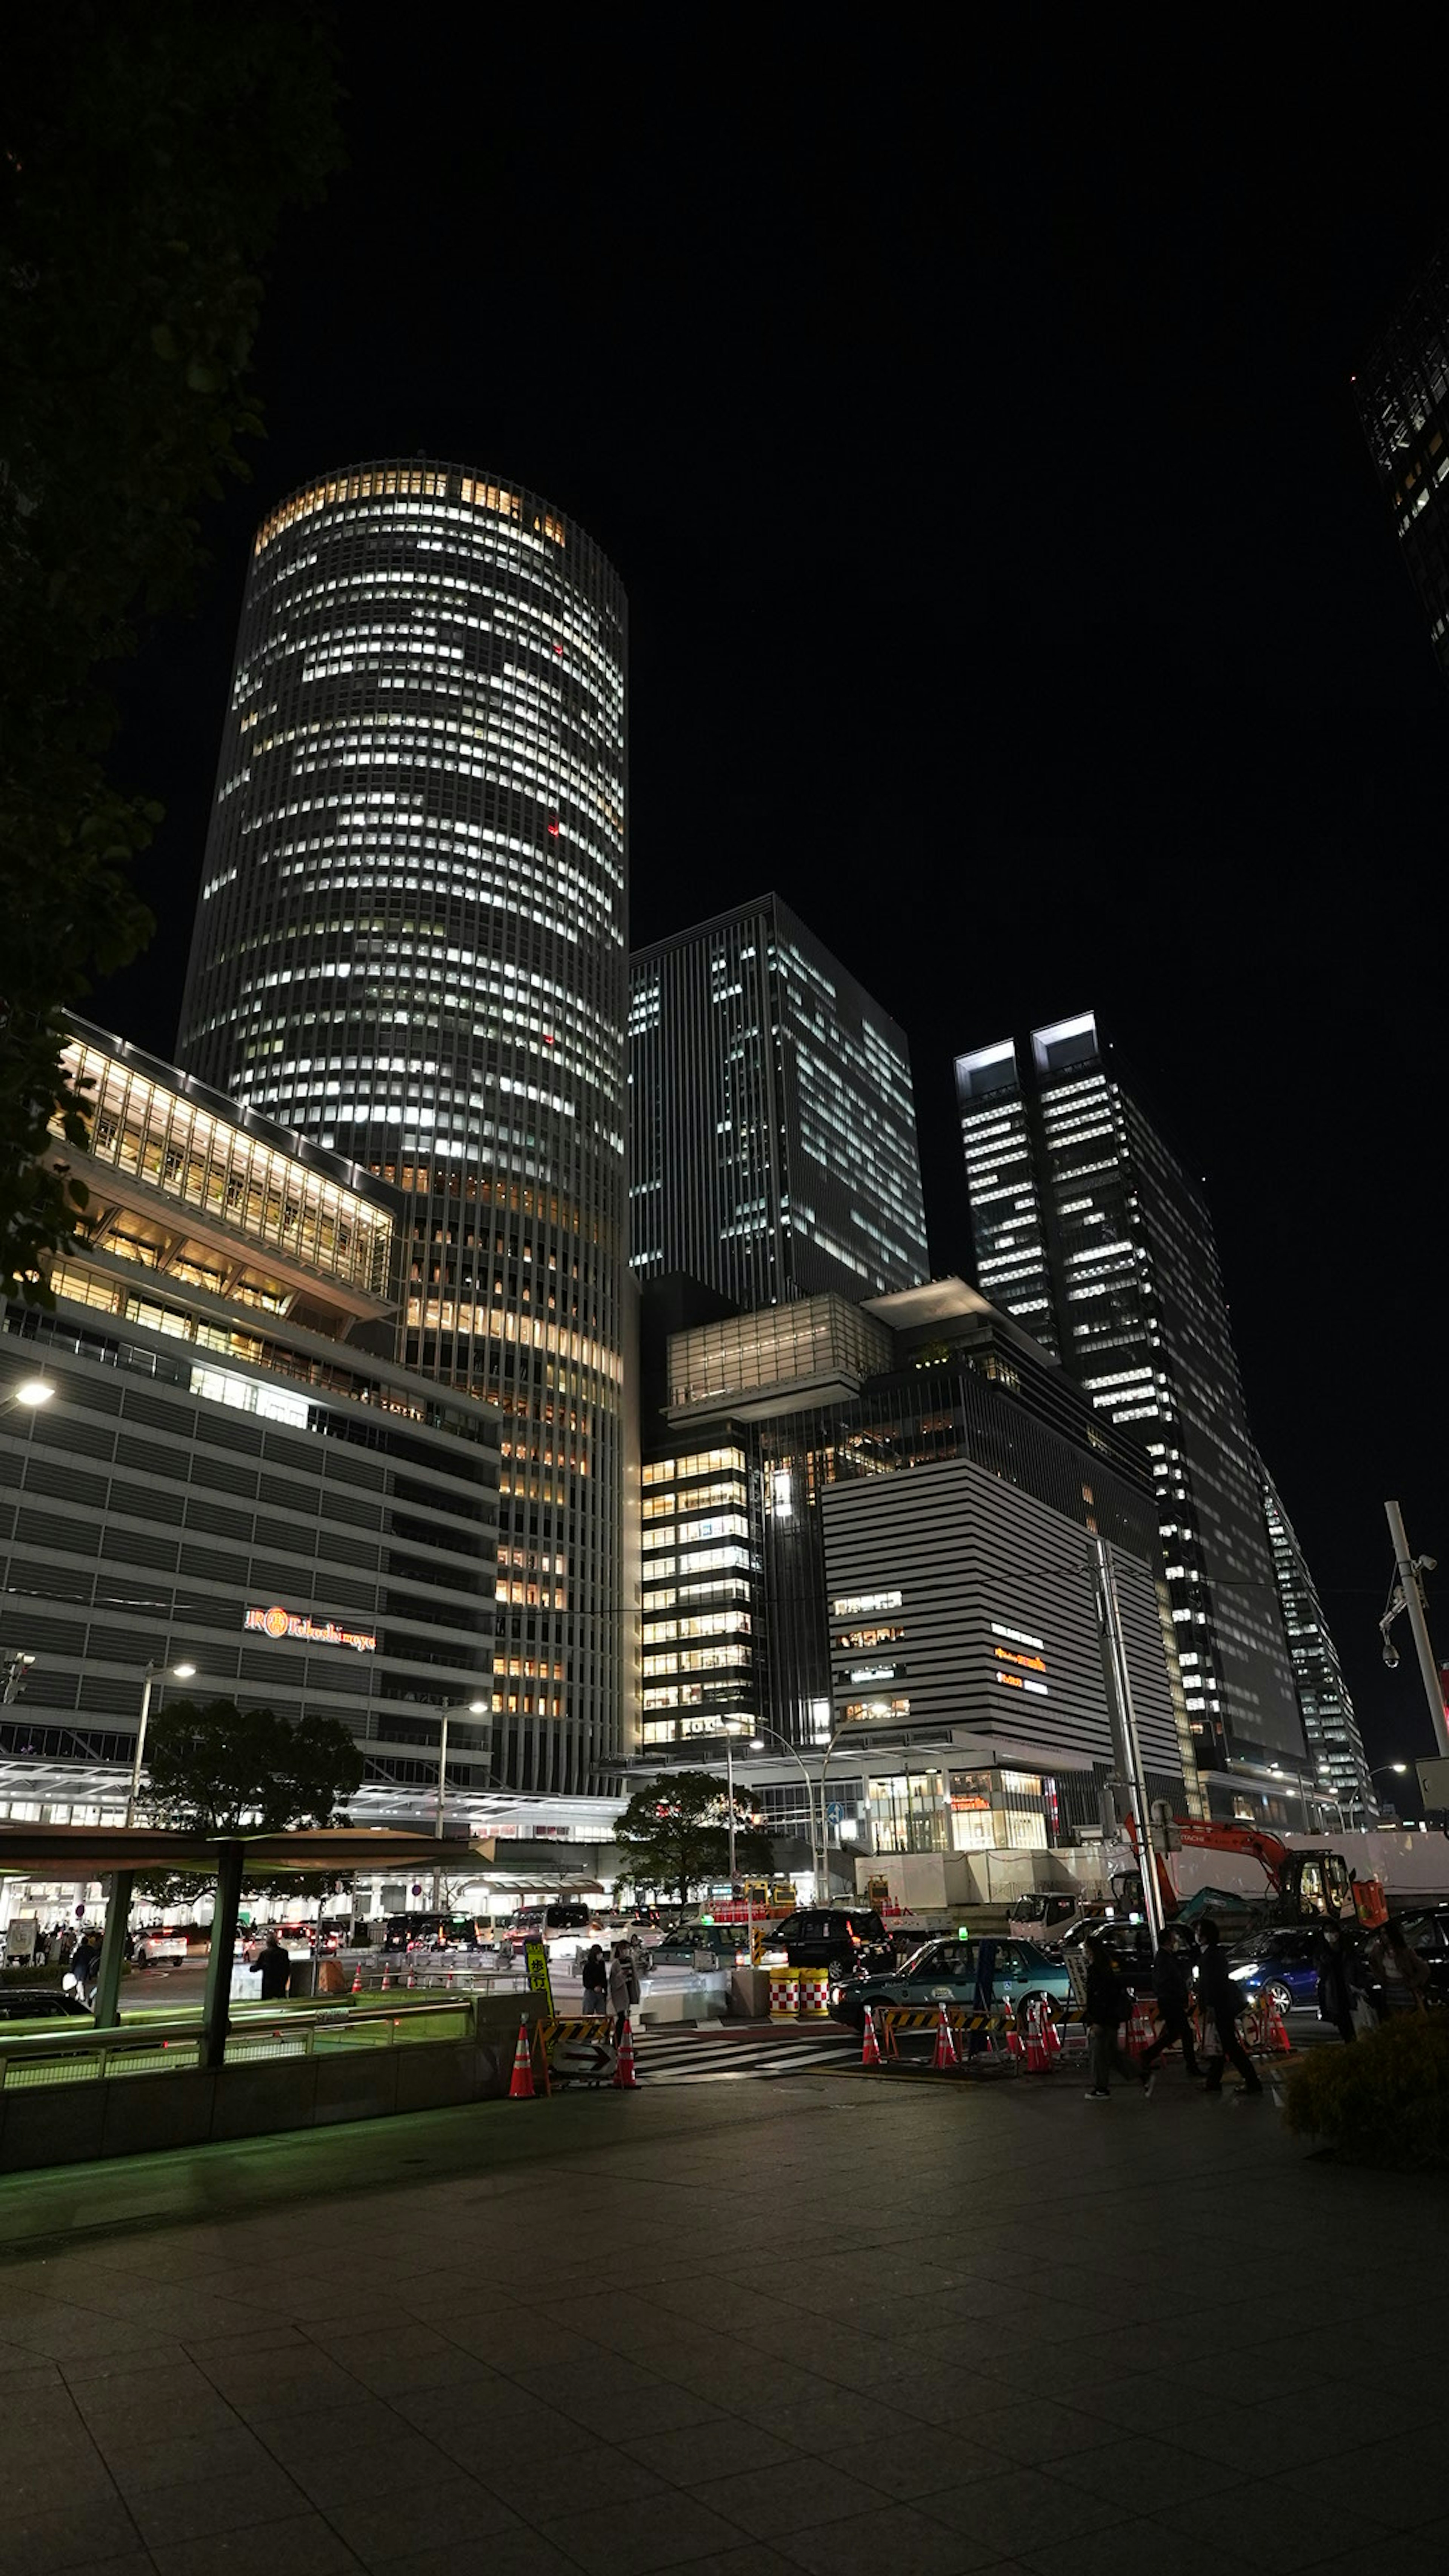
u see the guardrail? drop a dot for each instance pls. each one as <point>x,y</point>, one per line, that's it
<point>81,2054</point>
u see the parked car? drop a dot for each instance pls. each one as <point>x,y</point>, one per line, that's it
<point>724,1943</point>
<point>945,1972</point>
<point>39,2003</point>
<point>1282,1965</point>
<point>839,1938</point>
<point>1044,1915</point>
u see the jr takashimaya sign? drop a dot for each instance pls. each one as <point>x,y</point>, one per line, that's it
<point>310,1632</point>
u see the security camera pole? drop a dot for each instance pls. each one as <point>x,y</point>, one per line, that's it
<point>1408,1595</point>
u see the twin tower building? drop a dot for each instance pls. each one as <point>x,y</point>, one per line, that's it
<point>412,948</point>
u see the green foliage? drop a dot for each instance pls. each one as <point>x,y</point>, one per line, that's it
<point>148,151</point>
<point>215,1769</point>
<point>675,1832</point>
<point>1383,2101</point>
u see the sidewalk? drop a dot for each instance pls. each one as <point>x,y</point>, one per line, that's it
<point>826,2326</point>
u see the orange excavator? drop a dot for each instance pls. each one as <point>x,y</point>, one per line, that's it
<point>1305,1886</point>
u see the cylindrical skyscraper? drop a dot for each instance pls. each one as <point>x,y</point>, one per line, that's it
<point>411,945</point>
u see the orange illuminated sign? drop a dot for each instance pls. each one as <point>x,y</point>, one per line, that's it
<point>278,1623</point>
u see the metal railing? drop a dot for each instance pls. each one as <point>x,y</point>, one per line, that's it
<point>81,2055</point>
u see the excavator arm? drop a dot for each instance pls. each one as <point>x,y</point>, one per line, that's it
<point>1203,1835</point>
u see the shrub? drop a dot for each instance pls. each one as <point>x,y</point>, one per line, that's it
<point>1385,2100</point>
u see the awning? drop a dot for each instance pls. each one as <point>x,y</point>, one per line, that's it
<point>83,1852</point>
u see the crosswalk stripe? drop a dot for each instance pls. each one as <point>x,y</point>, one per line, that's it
<point>703,2057</point>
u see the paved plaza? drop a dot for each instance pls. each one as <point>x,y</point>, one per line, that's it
<point>836,2326</point>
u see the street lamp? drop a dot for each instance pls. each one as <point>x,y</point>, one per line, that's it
<point>32,1392</point>
<point>757,1745</point>
<point>455,1707</point>
<point>152,1673</point>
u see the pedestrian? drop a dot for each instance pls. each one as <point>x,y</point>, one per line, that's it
<point>1109,2001</point>
<point>1169,1984</point>
<point>1335,1982</point>
<point>1402,1975</point>
<point>275,1969</point>
<point>594,1976</point>
<point>619,1991</point>
<point>1221,1999</point>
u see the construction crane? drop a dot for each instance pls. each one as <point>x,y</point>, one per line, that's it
<point>1309,1885</point>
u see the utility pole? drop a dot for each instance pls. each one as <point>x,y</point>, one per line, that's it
<point>1410,1596</point>
<point>1109,1613</point>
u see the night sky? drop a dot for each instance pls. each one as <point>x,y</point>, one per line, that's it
<point>1008,587</point>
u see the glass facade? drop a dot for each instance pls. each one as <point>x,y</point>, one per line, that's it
<point>1339,1761</point>
<point>700,1592</point>
<point>772,1120</point>
<point>410,946</point>
<point>965,1388</point>
<point>1403,402</point>
<point>1090,1231</point>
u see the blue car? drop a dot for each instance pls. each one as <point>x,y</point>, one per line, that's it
<point>945,1972</point>
<point>1282,1965</point>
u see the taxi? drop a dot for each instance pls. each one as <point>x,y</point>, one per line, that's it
<point>944,1972</point>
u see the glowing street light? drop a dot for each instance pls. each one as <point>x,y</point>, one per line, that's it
<point>152,1673</point>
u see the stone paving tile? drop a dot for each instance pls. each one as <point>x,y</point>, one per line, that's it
<point>81,2536</point>
<point>397,2357</point>
<point>686,2455</point>
<point>664,2530</point>
<point>1033,2430</point>
<point>1275,2526</point>
<point>203,2506</point>
<point>899,2537</point>
<point>793,2495</point>
<point>505,2553</point>
<point>378,2528</point>
<point>179,2459</point>
<point>300,2375</point>
<point>51,2475</point>
<point>400,2462</point>
<point>1022,2508</point>
<point>302,2545</point>
<point>1131,2548</point>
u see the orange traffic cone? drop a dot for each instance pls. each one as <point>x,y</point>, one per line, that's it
<point>412,1980</point>
<point>1035,2053</point>
<point>386,1981</point>
<point>1015,2044</point>
<point>521,2088</point>
<point>1278,2030</point>
<point>357,1978</point>
<point>870,2045</point>
<point>947,2054</point>
<point>1051,2038</point>
<point>625,2078</point>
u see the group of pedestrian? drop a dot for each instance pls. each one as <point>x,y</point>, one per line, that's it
<point>1109,2002</point>
<point>610,1984</point>
<point>1359,1988</point>
<point>1356,1989</point>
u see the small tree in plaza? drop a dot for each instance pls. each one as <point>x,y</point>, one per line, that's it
<point>675,1833</point>
<point>217,1769</point>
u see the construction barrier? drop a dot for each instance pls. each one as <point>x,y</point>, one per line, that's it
<point>814,1994</point>
<point>784,1993</point>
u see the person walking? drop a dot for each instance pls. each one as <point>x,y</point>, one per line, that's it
<point>1335,1982</point>
<point>1169,1984</point>
<point>1403,1976</point>
<point>1219,1997</point>
<point>275,1969</point>
<point>619,1991</point>
<point>594,1978</point>
<point>1108,2004</point>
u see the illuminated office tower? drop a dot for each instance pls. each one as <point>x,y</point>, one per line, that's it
<point>410,946</point>
<point>1403,404</point>
<point>1323,1696</point>
<point>771,1117</point>
<point>1088,1229</point>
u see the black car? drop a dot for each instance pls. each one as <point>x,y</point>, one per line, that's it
<point>840,1938</point>
<point>38,2003</point>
